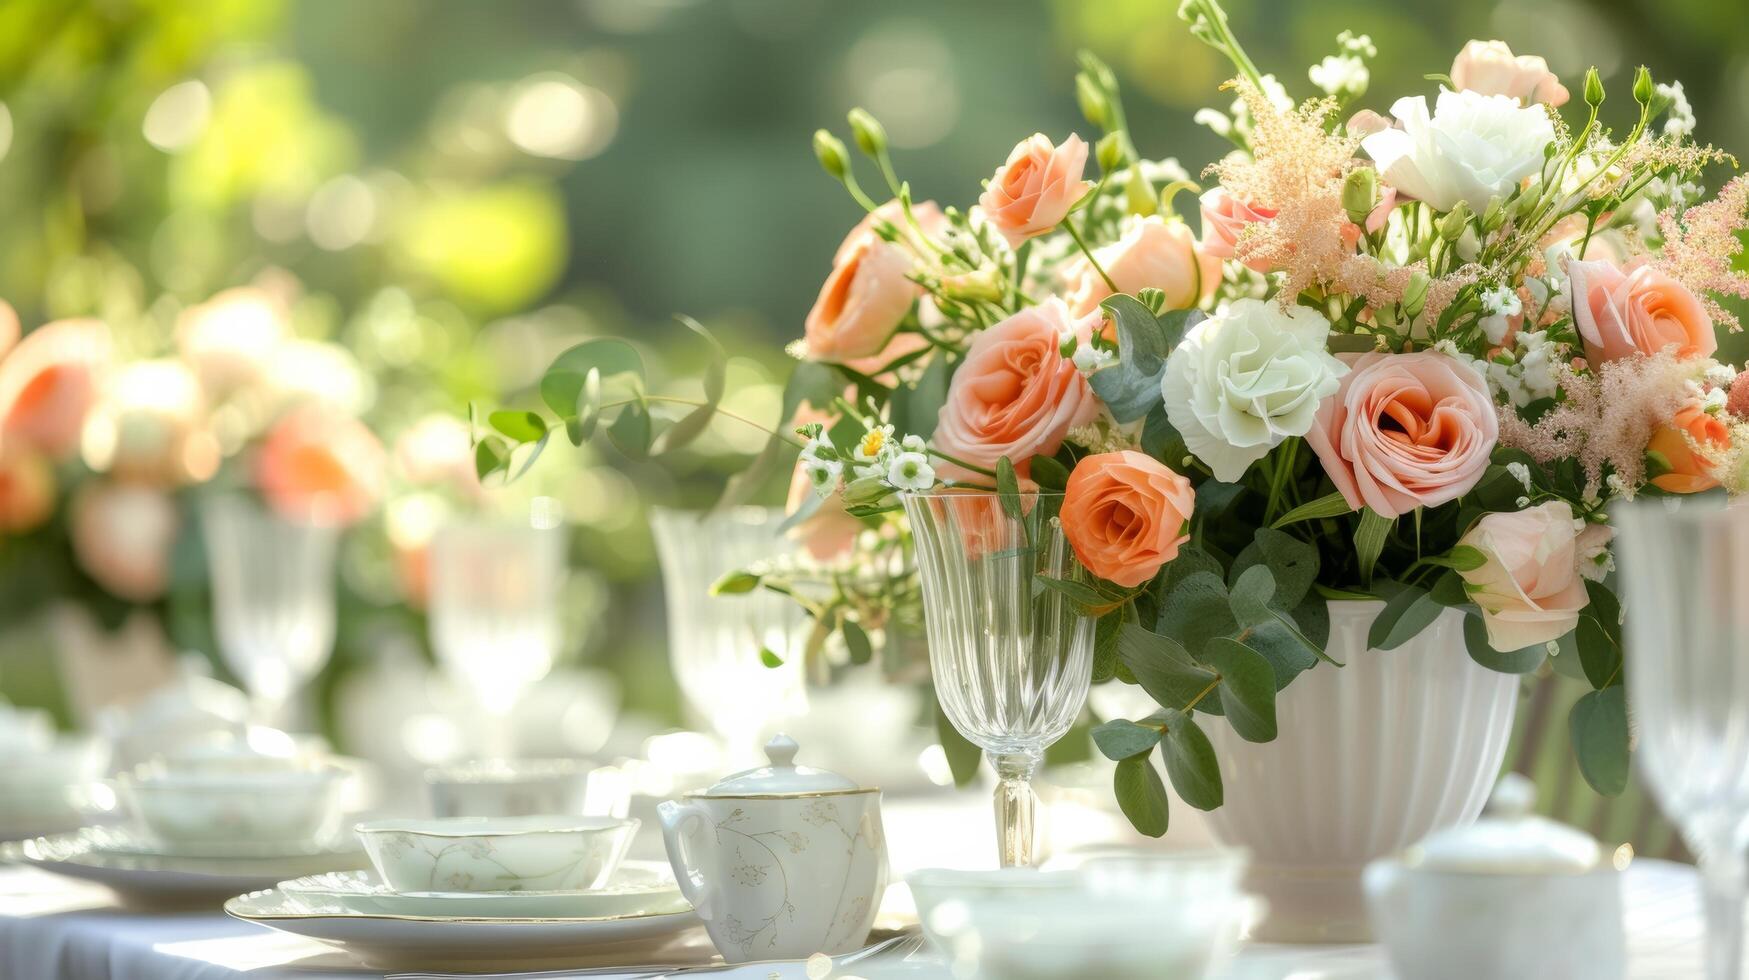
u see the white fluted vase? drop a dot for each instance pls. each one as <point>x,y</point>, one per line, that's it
<point>1371,757</point>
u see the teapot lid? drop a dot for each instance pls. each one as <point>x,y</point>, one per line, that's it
<point>1509,839</point>
<point>782,777</point>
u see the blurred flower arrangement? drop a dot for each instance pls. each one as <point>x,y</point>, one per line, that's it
<point>1409,357</point>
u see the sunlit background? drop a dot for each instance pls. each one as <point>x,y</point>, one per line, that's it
<point>392,209</point>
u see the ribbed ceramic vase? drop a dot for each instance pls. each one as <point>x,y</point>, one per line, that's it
<point>1371,757</point>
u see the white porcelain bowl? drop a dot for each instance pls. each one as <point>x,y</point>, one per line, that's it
<point>475,854</point>
<point>257,809</point>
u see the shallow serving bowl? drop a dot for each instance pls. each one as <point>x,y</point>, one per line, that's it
<point>638,888</point>
<point>477,854</point>
<point>291,807</point>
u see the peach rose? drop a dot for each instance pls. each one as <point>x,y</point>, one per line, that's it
<point>319,465</point>
<point>1032,193</point>
<point>862,302</point>
<point>928,215</point>
<point>9,328</point>
<point>1152,252</point>
<point>50,381</point>
<point>1636,310</point>
<point>27,488</point>
<point>230,340</point>
<point>1529,588</point>
<point>1490,68</point>
<point>1405,431</point>
<point>1224,218</point>
<point>1125,514</point>
<point>152,413</point>
<point>122,536</point>
<point>1690,429</point>
<point>1015,394</point>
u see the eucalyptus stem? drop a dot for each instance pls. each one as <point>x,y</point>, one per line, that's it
<point>975,468</point>
<point>718,409</point>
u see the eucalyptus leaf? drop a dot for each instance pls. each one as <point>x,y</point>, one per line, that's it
<point>1120,738</point>
<point>1599,654</point>
<point>609,356</point>
<point>856,642</point>
<point>1049,474</point>
<point>534,452</point>
<point>1161,667</point>
<point>630,431</point>
<point>1008,488</point>
<point>491,454</point>
<point>1190,762</point>
<point>1141,795</point>
<point>1293,564</point>
<point>520,427</point>
<point>1599,728</point>
<point>1406,613</point>
<point>1131,387</point>
<point>1288,651</point>
<point>1161,439</point>
<point>580,427</point>
<point>769,658</point>
<point>1106,633</point>
<point>1508,662</point>
<point>1196,611</point>
<point>1247,688</point>
<point>1252,590</point>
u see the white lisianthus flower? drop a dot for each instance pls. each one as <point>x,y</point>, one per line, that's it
<point>1247,378</point>
<point>911,471</point>
<point>1473,148</point>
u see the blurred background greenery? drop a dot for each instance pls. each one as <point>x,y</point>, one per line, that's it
<point>457,190</point>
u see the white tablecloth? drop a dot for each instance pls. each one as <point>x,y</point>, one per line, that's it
<point>51,927</point>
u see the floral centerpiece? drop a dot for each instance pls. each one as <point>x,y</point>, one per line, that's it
<point>1407,358</point>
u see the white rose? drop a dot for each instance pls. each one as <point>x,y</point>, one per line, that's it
<point>1474,148</point>
<point>1245,379</point>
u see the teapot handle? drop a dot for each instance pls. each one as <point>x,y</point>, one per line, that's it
<point>683,828</point>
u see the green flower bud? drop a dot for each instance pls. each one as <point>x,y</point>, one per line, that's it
<point>1109,152</point>
<point>1451,227</point>
<point>1360,194</point>
<point>1092,101</point>
<point>1593,88</point>
<point>1415,295</point>
<point>1643,86</point>
<point>738,582</point>
<point>1495,216</point>
<point>1139,194</point>
<point>870,137</point>
<point>830,152</point>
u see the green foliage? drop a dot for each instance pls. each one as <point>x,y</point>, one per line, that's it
<point>1131,388</point>
<point>1599,728</point>
<point>1508,662</point>
<point>1119,739</point>
<point>1190,761</point>
<point>1141,795</point>
<point>1247,687</point>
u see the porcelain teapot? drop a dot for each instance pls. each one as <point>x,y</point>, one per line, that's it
<point>1511,896</point>
<point>781,861</point>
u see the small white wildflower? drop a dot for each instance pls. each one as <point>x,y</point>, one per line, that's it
<point>1679,120</point>
<point>1494,328</point>
<point>1521,473</point>
<point>823,475</point>
<point>873,443</point>
<point>1089,358</point>
<point>1217,121</point>
<point>911,471</point>
<point>1502,300</point>
<point>1340,74</point>
<point>912,444</point>
<point>1619,486</point>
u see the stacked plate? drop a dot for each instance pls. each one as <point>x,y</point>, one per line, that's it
<point>47,782</point>
<point>490,893</point>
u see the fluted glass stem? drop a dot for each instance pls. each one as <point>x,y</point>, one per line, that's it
<point>1723,885</point>
<point>1015,803</point>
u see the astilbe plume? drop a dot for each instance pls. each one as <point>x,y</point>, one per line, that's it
<point>1296,167</point>
<point>1699,248</point>
<point>1606,418</point>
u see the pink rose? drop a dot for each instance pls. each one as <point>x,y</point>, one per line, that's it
<point>862,303</point>
<point>1224,219</point>
<point>1152,253</point>
<point>1530,588</point>
<point>1405,431</point>
<point>1637,310</point>
<point>122,536</point>
<point>1031,193</point>
<point>1489,68</point>
<point>1015,394</point>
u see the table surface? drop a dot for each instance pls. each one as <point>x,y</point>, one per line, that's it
<point>56,927</point>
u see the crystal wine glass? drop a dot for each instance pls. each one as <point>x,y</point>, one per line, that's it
<point>1012,659</point>
<point>715,642</point>
<point>273,598</point>
<point>495,611</point>
<point>1685,569</point>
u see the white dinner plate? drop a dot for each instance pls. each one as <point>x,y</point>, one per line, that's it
<point>120,859</point>
<point>637,888</point>
<point>410,942</point>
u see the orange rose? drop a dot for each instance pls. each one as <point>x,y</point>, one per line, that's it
<point>1032,193</point>
<point>321,466</point>
<point>1636,310</point>
<point>27,488</point>
<point>1015,394</point>
<point>50,381</point>
<point>1690,471</point>
<point>122,536</point>
<point>1125,515</point>
<point>1153,252</point>
<point>1490,68</point>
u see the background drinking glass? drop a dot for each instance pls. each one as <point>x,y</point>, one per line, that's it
<point>495,611</point>
<point>273,599</point>
<point>714,642</point>
<point>1686,572</point>
<point>1012,661</point>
